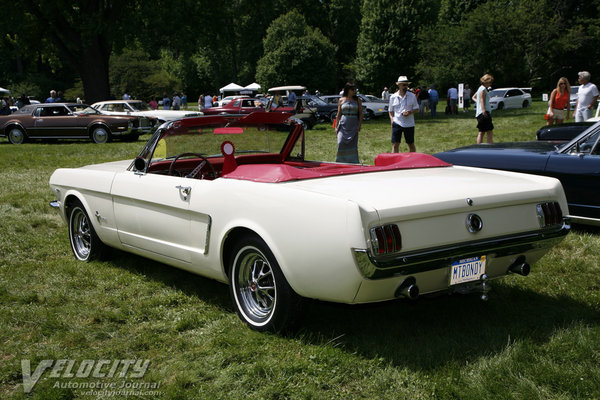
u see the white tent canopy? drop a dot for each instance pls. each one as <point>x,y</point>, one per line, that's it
<point>232,87</point>
<point>2,90</point>
<point>251,89</point>
<point>253,86</point>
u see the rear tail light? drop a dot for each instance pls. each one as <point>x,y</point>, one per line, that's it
<point>549,214</point>
<point>386,239</point>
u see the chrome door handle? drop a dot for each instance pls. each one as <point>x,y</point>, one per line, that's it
<point>185,190</point>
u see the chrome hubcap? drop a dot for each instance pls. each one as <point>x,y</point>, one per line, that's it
<point>80,234</point>
<point>16,136</point>
<point>256,285</point>
<point>100,136</point>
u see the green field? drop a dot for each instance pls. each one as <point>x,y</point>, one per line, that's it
<point>536,338</point>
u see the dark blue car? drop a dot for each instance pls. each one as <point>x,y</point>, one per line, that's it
<point>576,164</point>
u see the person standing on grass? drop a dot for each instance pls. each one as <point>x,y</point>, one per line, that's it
<point>434,98</point>
<point>483,110</point>
<point>403,106</point>
<point>587,96</point>
<point>453,100</point>
<point>559,100</point>
<point>466,97</point>
<point>347,125</point>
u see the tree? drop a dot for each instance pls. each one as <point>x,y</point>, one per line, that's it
<point>344,20</point>
<point>501,38</point>
<point>387,44</point>
<point>84,33</point>
<point>295,53</point>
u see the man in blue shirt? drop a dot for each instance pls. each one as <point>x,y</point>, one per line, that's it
<point>291,99</point>
<point>434,98</point>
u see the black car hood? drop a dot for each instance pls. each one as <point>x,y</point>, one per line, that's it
<point>514,156</point>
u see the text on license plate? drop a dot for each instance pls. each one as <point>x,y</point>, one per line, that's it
<point>467,270</point>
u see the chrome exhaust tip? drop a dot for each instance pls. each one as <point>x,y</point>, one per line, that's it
<point>408,289</point>
<point>520,266</point>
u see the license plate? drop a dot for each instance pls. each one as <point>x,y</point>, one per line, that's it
<point>467,270</point>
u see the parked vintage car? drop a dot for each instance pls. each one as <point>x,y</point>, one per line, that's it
<point>140,108</point>
<point>375,107</point>
<point>334,98</point>
<point>575,164</point>
<point>236,201</point>
<point>567,131</point>
<point>301,109</point>
<point>503,98</point>
<point>237,106</point>
<point>224,101</point>
<point>562,132</point>
<point>241,106</point>
<point>67,121</point>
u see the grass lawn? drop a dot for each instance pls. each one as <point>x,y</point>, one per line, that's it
<point>536,338</point>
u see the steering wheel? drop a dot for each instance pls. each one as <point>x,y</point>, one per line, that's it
<point>203,162</point>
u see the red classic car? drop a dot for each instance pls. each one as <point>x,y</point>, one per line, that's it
<point>237,106</point>
<point>66,121</point>
<point>301,109</point>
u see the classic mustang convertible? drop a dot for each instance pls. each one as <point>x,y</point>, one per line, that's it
<point>236,200</point>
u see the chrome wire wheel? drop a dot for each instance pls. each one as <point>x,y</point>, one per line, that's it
<point>80,234</point>
<point>260,292</point>
<point>255,285</point>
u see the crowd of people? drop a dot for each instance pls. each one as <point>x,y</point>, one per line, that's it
<point>404,103</point>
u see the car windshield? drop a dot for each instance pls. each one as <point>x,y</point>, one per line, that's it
<point>206,139</point>
<point>574,89</point>
<point>82,109</point>
<point>25,110</point>
<point>318,101</point>
<point>497,93</point>
<point>584,142</point>
<point>139,106</point>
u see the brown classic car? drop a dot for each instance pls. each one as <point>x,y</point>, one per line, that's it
<point>67,121</point>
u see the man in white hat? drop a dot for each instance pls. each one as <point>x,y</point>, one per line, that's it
<point>403,106</point>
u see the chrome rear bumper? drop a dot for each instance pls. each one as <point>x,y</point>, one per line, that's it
<point>437,258</point>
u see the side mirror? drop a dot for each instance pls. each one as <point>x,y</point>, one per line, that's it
<point>139,164</point>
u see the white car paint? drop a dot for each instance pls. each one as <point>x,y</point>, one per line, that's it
<point>318,229</point>
<point>139,108</point>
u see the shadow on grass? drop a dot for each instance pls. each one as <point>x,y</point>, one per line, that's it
<point>205,289</point>
<point>420,335</point>
<point>431,332</point>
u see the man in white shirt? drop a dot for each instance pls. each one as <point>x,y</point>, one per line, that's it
<point>385,95</point>
<point>403,106</point>
<point>587,96</point>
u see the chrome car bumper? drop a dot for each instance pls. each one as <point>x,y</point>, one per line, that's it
<point>438,258</point>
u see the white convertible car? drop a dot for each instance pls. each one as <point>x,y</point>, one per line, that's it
<point>141,109</point>
<point>235,200</point>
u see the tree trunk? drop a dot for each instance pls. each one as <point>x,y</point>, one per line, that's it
<point>93,69</point>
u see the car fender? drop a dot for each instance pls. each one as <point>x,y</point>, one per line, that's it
<point>318,268</point>
<point>12,123</point>
<point>92,189</point>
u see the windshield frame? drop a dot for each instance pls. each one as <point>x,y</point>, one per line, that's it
<point>274,123</point>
